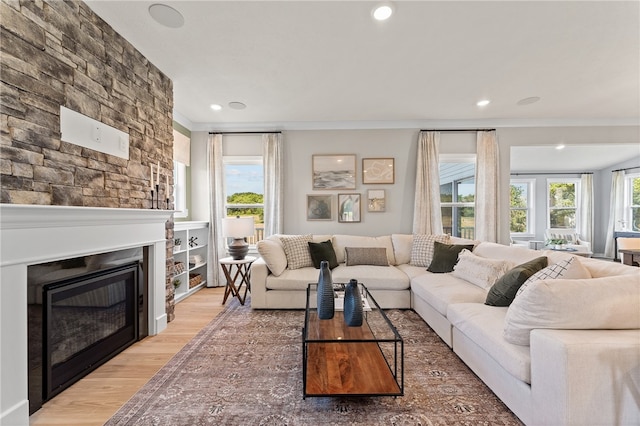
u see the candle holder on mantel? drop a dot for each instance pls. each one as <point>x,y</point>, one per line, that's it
<point>155,197</point>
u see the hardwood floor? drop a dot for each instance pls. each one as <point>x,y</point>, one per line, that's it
<point>95,398</point>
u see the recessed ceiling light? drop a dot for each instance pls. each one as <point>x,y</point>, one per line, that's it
<point>216,107</point>
<point>561,146</point>
<point>483,102</point>
<point>166,15</point>
<point>382,11</point>
<point>527,101</point>
<point>237,105</point>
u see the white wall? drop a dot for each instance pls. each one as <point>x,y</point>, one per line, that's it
<point>299,146</point>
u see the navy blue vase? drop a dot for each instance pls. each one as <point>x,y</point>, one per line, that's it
<point>352,305</point>
<point>326,304</point>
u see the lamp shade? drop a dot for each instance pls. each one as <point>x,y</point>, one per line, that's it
<point>237,227</point>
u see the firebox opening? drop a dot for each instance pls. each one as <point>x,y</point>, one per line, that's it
<point>82,312</point>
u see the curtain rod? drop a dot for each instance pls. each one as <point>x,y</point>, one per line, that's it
<point>554,173</point>
<point>457,130</point>
<point>241,133</point>
<point>628,168</point>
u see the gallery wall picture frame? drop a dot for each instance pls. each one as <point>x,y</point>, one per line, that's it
<point>378,170</point>
<point>349,208</point>
<point>336,171</point>
<point>376,201</point>
<point>319,207</point>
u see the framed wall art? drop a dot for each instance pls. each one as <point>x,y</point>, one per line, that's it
<point>349,207</point>
<point>334,171</point>
<point>375,200</point>
<point>319,207</point>
<point>378,170</point>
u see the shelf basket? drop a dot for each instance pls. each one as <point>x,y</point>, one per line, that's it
<point>194,280</point>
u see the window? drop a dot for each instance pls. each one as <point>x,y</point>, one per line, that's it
<point>521,205</point>
<point>632,202</point>
<point>457,195</point>
<point>244,190</point>
<point>180,189</point>
<point>562,205</point>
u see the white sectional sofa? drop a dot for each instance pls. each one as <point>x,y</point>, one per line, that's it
<point>565,352</point>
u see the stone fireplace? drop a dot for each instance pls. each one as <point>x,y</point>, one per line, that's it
<point>38,234</point>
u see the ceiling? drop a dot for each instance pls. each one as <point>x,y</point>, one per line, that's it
<point>327,64</point>
<point>571,158</point>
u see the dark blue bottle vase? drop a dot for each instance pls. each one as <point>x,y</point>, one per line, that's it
<point>326,304</point>
<point>352,304</point>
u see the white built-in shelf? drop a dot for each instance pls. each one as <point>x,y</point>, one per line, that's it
<point>185,231</point>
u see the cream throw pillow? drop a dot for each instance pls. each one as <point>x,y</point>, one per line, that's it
<point>480,271</point>
<point>574,304</point>
<point>273,254</point>
<point>422,249</point>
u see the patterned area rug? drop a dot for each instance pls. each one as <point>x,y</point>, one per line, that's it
<point>245,368</point>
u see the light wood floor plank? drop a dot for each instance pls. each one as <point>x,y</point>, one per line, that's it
<point>96,397</point>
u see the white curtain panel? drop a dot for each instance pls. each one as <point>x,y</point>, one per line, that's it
<point>427,216</point>
<point>586,207</point>
<point>273,183</point>
<point>487,181</point>
<point>215,169</point>
<point>616,211</point>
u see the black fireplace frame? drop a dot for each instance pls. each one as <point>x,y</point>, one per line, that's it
<point>56,378</point>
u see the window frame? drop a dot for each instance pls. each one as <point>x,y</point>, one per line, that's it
<point>628,200</point>
<point>180,190</point>
<point>243,160</point>
<point>455,205</point>
<point>530,208</point>
<point>576,182</point>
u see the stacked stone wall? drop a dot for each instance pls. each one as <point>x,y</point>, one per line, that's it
<point>60,53</point>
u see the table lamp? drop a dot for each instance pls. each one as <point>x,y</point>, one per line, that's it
<point>238,228</point>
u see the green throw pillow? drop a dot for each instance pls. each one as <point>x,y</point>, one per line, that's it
<point>445,256</point>
<point>323,251</point>
<point>505,288</point>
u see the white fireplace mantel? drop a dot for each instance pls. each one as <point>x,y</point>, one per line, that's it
<point>36,234</point>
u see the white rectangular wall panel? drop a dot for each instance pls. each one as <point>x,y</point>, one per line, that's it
<point>81,130</point>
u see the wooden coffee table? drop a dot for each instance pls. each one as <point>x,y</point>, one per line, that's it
<point>338,360</point>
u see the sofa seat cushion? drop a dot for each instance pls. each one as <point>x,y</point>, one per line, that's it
<point>484,325</point>
<point>441,290</point>
<point>373,277</point>
<point>293,279</point>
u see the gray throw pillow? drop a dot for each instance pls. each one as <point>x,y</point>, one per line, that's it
<point>376,256</point>
<point>505,288</point>
<point>445,257</point>
<point>323,251</point>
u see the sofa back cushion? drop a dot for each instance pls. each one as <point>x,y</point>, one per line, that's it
<point>517,255</point>
<point>402,248</point>
<point>340,242</point>
<point>578,304</point>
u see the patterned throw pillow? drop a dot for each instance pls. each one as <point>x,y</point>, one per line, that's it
<point>566,269</point>
<point>422,248</point>
<point>296,248</point>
